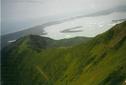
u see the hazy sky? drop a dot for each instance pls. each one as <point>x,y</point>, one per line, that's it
<point>20,14</point>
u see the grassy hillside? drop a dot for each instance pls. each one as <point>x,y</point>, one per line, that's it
<point>100,61</point>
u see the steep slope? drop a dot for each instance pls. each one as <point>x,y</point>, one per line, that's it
<point>104,61</point>
<point>100,61</point>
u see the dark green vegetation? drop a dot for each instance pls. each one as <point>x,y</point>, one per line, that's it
<point>99,61</point>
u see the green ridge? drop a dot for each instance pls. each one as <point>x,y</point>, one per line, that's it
<point>98,61</point>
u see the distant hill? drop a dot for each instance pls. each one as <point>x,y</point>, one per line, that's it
<point>36,42</point>
<point>35,30</point>
<point>118,21</point>
<point>32,60</point>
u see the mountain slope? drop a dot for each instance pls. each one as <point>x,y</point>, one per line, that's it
<point>100,61</point>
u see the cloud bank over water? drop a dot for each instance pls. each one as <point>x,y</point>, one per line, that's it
<point>22,14</point>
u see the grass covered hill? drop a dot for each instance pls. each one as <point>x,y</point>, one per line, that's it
<point>34,60</point>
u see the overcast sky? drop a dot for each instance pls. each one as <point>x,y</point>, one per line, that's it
<point>19,14</point>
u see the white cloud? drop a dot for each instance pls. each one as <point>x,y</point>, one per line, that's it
<point>90,27</point>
